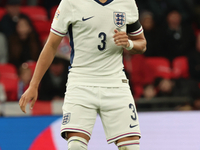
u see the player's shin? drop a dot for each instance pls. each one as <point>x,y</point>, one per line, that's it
<point>129,145</point>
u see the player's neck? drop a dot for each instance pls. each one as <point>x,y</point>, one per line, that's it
<point>103,1</point>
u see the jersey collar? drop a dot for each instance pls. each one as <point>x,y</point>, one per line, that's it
<point>103,4</point>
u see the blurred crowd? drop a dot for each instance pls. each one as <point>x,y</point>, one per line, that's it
<point>171,65</point>
<point>169,68</point>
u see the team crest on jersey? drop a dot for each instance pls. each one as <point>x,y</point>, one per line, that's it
<point>66,118</point>
<point>119,19</point>
<point>57,14</point>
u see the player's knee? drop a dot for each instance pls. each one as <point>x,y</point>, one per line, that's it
<point>77,143</point>
<point>129,145</point>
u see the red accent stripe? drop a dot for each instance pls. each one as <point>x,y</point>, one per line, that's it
<point>76,130</point>
<point>129,144</point>
<point>122,135</point>
<point>58,31</point>
<point>136,32</point>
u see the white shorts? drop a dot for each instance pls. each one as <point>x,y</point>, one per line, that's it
<point>115,106</point>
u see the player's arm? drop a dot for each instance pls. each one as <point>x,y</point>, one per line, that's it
<point>139,44</point>
<point>133,40</point>
<point>45,59</point>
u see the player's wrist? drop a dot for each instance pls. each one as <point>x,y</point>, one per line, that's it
<point>33,85</point>
<point>130,45</point>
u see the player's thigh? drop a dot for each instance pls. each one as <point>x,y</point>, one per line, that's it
<point>79,111</point>
<point>119,115</point>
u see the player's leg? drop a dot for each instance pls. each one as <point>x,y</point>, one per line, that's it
<point>120,119</point>
<point>79,116</point>
<point>128,143</point>
<point>77,141</point>
<point>82,135</point>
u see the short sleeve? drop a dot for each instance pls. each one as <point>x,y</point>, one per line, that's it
<point>134,27</point>
<point>62,19</point>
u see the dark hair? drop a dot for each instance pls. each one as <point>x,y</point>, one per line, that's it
<point>13,2</point>
<point>22,50</point>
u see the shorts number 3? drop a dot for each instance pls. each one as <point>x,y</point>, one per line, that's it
<point>134,116</point>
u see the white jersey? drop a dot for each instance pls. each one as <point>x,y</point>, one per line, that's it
<point>95,59</point>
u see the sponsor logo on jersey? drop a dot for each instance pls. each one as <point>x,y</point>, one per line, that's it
<point>119,19</point>
<point>57,14</point>
<point>84,19</point>
<point>66,118</point>
<point>133,126</point>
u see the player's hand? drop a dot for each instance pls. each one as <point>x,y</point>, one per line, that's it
<point>29,95</point>
<point>121,38</point>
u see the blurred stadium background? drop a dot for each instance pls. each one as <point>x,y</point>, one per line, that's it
<point>165,80</point>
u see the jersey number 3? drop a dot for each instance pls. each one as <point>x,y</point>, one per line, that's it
<point>101,47</point>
